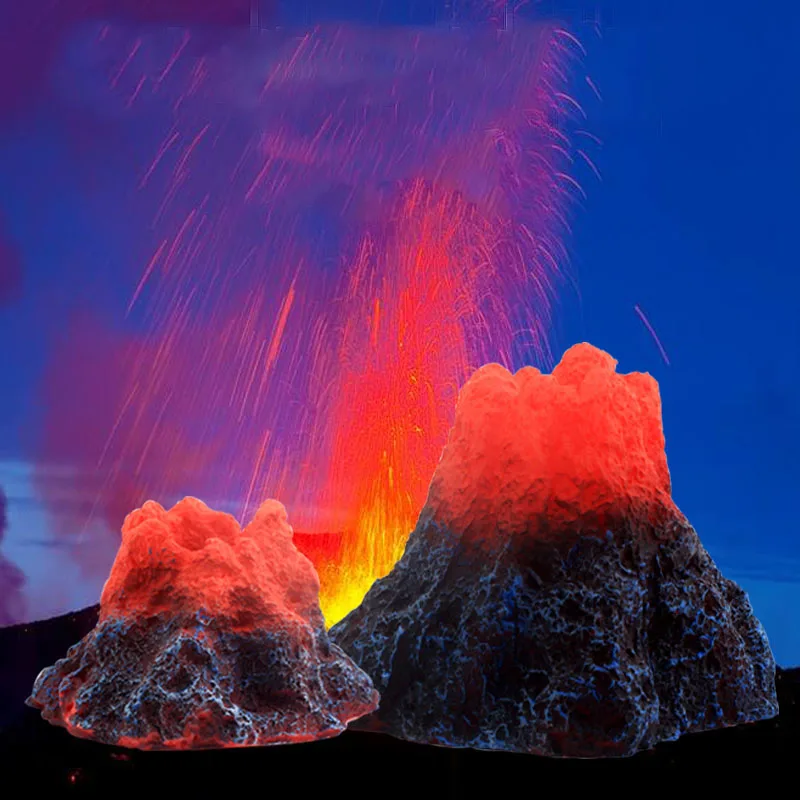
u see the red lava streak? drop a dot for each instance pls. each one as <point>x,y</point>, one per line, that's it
<point>581,441</point>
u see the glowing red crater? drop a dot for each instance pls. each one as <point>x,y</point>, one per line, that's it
<point>581,442</point>
<point>192,557</point>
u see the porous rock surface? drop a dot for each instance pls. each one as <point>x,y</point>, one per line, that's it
<point>552,599</point>
<point>208,637</point>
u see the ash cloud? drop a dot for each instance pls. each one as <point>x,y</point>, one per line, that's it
<point>12,579</point>
<point>33,33</point>
<point>10,266</point>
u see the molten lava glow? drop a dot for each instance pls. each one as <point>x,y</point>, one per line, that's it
<point>192,557</point>
<point>399,377</point>
<point>583,442</point>
<point>271,353</point>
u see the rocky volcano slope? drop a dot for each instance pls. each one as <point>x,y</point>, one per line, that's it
<point>552,599</point>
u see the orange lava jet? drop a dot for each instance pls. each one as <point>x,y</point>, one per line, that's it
<point>406,353</point>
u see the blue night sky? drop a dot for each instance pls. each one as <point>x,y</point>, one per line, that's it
<point>693,221</point>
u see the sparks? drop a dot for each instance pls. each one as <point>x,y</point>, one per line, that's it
<point>270,367</point>
<point>652,333</point>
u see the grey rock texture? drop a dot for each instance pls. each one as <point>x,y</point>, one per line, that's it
<point>587,642</point>
<point>196,682</point>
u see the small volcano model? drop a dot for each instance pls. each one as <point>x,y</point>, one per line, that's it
<point>209,636</point>
<point>552,599</point>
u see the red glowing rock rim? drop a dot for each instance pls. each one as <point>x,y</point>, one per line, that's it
<point>580,440</point>
<point>192,558</point>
